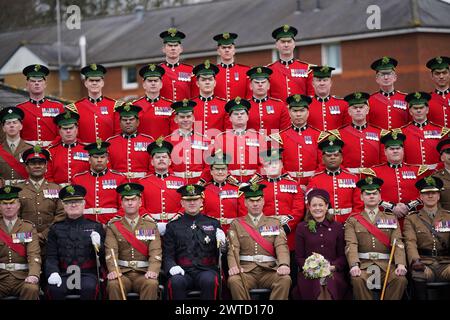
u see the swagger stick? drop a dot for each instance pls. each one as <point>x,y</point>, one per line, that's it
<point>388,270</point>
<point>118,275</point>
<point>240,272</point>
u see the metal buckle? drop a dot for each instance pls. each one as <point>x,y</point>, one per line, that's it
<point>163,216</point>
<point>373,255</point>
<point>132,264</point>
<point>10,267</point>
<point>188,174</point>
<point>258,258</point>
<point>223,221</point>
<point>130,174</point>
<point>434,252</point>
<point>98,211</point>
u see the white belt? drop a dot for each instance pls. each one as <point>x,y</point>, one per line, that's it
<point>132,175</point>
<point>42,143</point>
<point>354,170</point>
<point>225,220</point>
<point>163,216</point>
<point>188,174</point>
<point>13,181</point>
<point>340,211</point>
<point>373,256</point>
<point>133,264</point>
<point>100,210</point>
<point>245,172</point>
<point>301,174</point>
<point>62,185</point>
<point>14,266</point>
<point>257,258</point>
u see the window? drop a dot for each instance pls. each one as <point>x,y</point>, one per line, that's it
<point>331,56</point>
<point>129,77</point>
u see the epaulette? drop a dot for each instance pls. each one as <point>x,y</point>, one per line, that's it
<point>384,132</point>
<point>401,92</point>
<point>146,135</point>
<point>114,219</point>
<point>29,222</point>
<point>422,169</point>
<point>80,173</point>
<point>368,171</point>
<point>256,178</point>
<point>318,172</point>
<point>72,107</point>
<point>232,180</point>
<point>415,212</point>
<point>270,64</point>
<point>252,130</point>
<point>175,218</point>
<point>113,137</point>
<point>323,135</point>
<point>275,99</point>
<point>404,126</point>
<point>276,136</point>
<point>219,98</point>
<point>53,145</point>
<point>185,64</point>
<point>349,172</point>
<point>167,99</point>
<point>338,98</point>
<point>286,129</point>
<point>147,217</point>
<point>117,172</point>
<point>309,64</point>
<point>336,133</point>
<point>199,134</point>
<point>117,103</point>
<point>288,177</point>
<point>241,65</point>
<point>444,131</point>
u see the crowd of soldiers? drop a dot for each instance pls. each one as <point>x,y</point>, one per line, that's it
<point>202,183</point>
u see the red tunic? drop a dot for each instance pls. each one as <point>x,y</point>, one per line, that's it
<point>97,119</point>
<point>210,116</point>
<point>388,111</point>
<point>292,78</point>
<point>344,195</point>
<point>155,117</point>
<point>128,154</point>
<point>328,113</point>
<point>222,202</point>
<point>160,197</point>
<point>66,161</point>
<point>268,114</point>
<point>102,200</point>
<point>284,198</point>
<point>232,81</point>
<point>301,155</point>
<point>38,123</point>
<point>440,108</point>
<point>177,82</point>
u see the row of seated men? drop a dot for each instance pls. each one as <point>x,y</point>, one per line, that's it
<point>283,201</point>
<point>256,248</point>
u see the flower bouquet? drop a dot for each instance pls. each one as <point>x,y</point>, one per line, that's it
<point>317,267</point>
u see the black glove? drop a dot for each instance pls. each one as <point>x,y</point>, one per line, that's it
<point>417,265</point>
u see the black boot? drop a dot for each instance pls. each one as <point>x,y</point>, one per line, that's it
<point>420,290</point>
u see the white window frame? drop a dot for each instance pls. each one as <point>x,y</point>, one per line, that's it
<point>125,84</point>
<point>324,56</point>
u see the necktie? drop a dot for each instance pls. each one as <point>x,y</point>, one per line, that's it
<point>255,221</point>
<point>12,146</point>
<point>132,224</point>
<point>372,215</point>
<point>10,226</point>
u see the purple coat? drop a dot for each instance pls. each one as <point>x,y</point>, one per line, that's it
<point>328,240</point>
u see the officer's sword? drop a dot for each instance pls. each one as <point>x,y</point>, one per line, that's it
<point>219,297</point>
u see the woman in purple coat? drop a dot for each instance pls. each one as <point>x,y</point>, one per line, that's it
<point>319,233</point>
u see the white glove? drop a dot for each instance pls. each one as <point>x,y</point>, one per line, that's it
<point>162,227</point>
<point>220,236</point>
<point>95,238</point>
<point>176,270</point>
<point>55,279</point>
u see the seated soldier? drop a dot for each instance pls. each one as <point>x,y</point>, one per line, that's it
<point>259,254</point>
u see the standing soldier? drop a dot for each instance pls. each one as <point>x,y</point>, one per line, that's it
<point>128,150</point>
<point>20,258</point>
<point>266,115</point>
<point>222,192</point>
<point>423,135</point>
<point>96,111</point>
<point>38,126</point>
<point>177,78</point>
<point>443,148</point>
<point>369,236</point>
<point>398,192</point>
<point>427,238</point>
<point>290,76</point>
<point>259,255</point>
<point>160,198</point>
<point>338,182</point>
<point>12,170</point>
<point>68,156</point>
<point>440,98</point>
<point>231,81</point>
<point>326,112</point>
<point>38,197</point>
<point>137,247</point>
<point>388,108</point>
<point>74,242</point>
<point>301,152</point>
<point>242,144</point>
<point>209,113</point>
<point>156,110</point>
<point>362,147</point>
<point>190,146</point>
<point>102,201</point>
<point>191,248</point>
